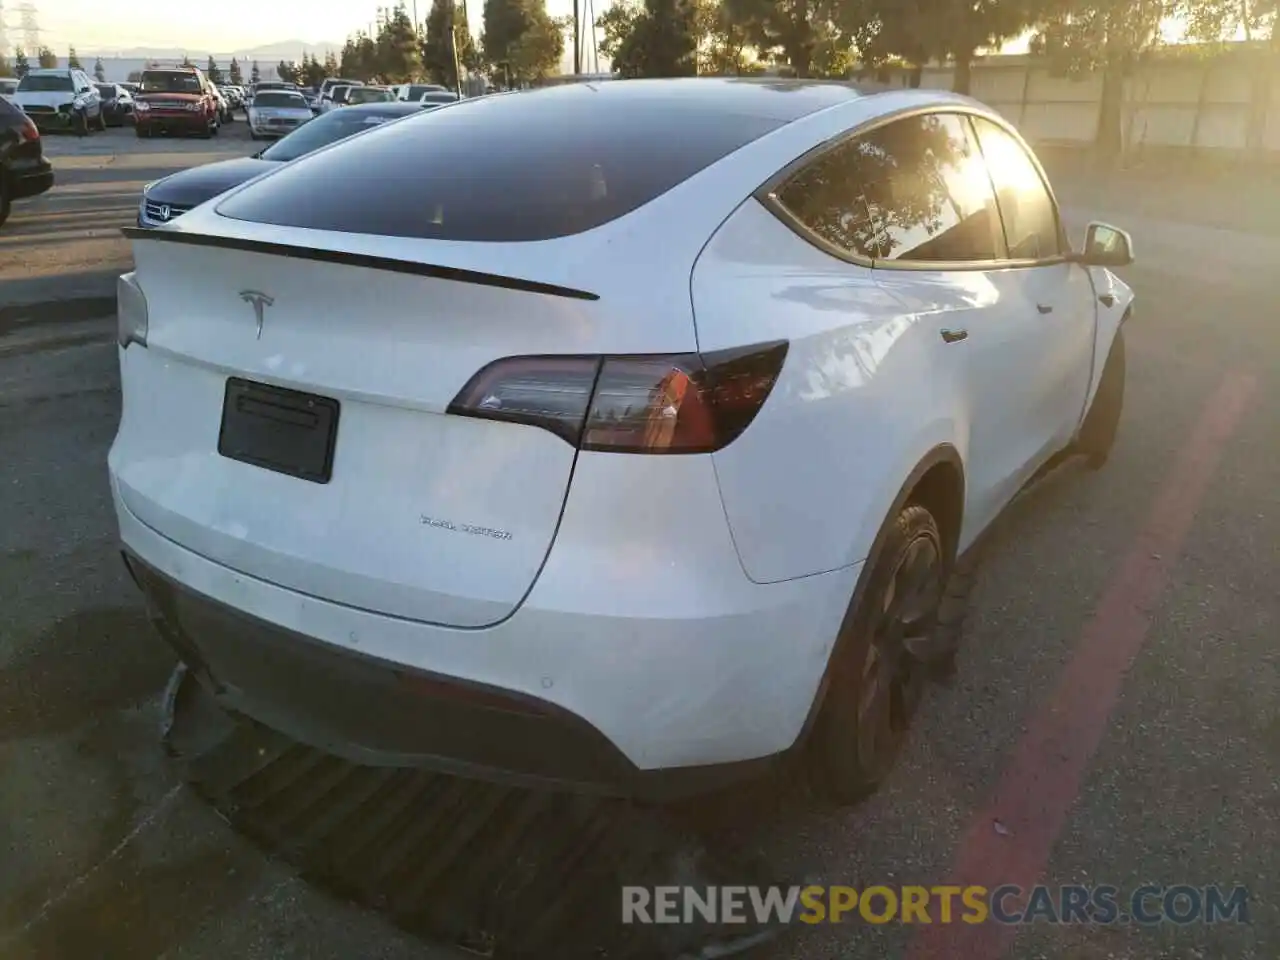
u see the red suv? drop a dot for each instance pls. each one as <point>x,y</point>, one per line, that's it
<point>175,100</point>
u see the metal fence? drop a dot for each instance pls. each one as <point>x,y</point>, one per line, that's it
<point>1219,106</point>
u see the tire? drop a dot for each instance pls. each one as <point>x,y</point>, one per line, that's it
<point>254,136</point>
<point>879,666</point>
<point>1102,422</point>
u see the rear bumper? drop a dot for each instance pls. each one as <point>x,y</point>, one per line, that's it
<point>172,123</point>
<point>574,690</point>
<point>30,180</point>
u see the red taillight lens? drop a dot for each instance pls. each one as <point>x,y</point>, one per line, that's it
<point>688,403</point>
<point>28,131</point>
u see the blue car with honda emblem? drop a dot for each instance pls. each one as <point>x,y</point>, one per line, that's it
<point>164,200</point>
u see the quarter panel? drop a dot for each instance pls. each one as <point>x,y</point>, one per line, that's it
<point>864,394</point>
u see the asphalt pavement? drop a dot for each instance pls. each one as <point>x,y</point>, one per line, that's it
<point>1115,719</point>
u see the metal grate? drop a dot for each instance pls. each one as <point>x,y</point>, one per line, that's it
<point>500,871</point>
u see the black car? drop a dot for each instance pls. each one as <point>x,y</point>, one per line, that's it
<point>165,199</point>
<point>24,172</point>
<point>117,104</point>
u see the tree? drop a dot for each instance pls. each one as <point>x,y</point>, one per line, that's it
<point>186,61</point>
<point>399,59</point>
<point>1105,36</point>
<point>73,62</point>
<point>234,74</point>
<point>5,69</point>
<point>47,58</point>
<point>255,74</point>
<point>330,64</point>
<point>312,71</point>
<point>803,34</point>
<point>661,40</point>
<point>212,71</point>
<point>99,71</point>
<point>447,27</point>
<point>21,67</point>
<point>359,57</point>
<point>521,38</point>
<point>287,71</point>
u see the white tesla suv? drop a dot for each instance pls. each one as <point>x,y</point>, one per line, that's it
<point>614,436</point>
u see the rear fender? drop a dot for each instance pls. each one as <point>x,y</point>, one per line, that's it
<point>941,453</point>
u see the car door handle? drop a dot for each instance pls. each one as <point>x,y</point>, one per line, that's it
<point>1045,307</point>
<point>954,336</point>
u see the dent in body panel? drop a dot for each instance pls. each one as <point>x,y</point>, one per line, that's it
<point>806,486</point>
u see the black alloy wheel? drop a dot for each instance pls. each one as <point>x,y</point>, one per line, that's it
<point>880,669</point>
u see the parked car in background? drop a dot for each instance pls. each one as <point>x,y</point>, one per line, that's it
<point>131,87</point>
<point>334,93</point>
<point>117,104</point>
<point>224,104</point>
<point>273,113</point>
<point>24,172</point>
<point>175,100</point>
<point>8,87</point>
<point>439,97</point>
<point>58,98</point>
<point>414,91</point>
<point>484,496</point>
<point>264,85</point>
<point>164,200</point>
<point>326,86</point>
<point>335,97</point>
<point>369,94</point>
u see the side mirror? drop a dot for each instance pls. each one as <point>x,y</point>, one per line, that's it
<point>1106,246</point>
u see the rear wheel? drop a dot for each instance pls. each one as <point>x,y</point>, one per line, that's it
<point>1098,433</point>
<point>881,662</point>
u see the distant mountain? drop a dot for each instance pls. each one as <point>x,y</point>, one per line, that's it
<point>266,53</point>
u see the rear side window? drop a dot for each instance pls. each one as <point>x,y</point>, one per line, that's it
<point>1026,206</point>
<point>516,167</point>
<point>913,190</point>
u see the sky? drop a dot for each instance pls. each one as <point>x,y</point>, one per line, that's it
<point>221,27</point>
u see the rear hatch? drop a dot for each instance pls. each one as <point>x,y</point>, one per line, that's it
<point>386,298</point>
<point>425,515</point>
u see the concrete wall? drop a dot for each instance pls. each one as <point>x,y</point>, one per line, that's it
<point>1201,107</point>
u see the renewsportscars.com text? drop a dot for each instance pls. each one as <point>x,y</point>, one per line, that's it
<point>1103,904</point>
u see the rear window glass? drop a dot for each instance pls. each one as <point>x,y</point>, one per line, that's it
<point>278,98</point>
<point>516,167</point>
<point>160,81</point>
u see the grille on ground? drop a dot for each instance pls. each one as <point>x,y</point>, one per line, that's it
<point>501,871</point>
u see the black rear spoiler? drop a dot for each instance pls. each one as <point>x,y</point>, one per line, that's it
<point>388,264</point>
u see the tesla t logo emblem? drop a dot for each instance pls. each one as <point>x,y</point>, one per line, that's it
<point>260,302</point>
<point>164,211</point>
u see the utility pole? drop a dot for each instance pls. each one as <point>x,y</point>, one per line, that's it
<point>453,44</point>
<point>577,39</point>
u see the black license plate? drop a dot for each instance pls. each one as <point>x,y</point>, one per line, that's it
<point>282,430</point>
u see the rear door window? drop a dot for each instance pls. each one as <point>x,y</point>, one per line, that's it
<point>914,190</point>
<point>1026,206</point>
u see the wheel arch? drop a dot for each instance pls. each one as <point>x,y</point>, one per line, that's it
<point>938,479</point>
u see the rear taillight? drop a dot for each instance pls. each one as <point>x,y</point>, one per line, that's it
<point>28,131</point>
<point>687,403</point>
